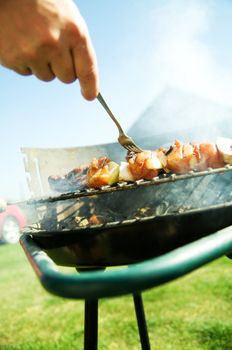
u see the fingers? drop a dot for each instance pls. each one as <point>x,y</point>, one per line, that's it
<point>23,71</point>
<point>68,57</point>
<point>86,69</point>
<point>67,65</point>
<point>42,71</point>
<point>63,67</point>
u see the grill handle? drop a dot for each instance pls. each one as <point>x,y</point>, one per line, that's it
<point>136,277</point>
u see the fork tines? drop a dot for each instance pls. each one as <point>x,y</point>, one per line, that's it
<point>129,144</point>
<point>133,148</point>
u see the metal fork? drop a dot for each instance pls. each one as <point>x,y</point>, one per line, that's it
<point>124,140</point>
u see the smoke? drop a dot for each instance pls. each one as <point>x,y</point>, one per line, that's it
<point>183,53</point>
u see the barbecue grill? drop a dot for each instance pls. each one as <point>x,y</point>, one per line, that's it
<point>161,229</point>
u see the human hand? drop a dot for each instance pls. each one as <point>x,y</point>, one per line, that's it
<point>48,38</point>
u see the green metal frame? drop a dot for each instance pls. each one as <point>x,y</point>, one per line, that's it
<point>134,278</point>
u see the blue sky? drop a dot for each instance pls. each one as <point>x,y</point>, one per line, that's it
<point>141,46</point>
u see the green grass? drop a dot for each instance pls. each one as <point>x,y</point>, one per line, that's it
<point>192,313</point>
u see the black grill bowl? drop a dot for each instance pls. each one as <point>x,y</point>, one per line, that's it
<point>130,242</point>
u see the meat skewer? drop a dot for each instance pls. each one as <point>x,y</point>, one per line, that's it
<point>180,158</point>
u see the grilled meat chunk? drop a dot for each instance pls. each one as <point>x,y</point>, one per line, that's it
<point>185,157</point>
<point>74,180</point>
<point>102,172</point>
<point>146,165</point>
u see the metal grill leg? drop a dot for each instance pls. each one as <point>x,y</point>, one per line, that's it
<point>91,325</point>
<point>91,319</point>
<point>141,321</point>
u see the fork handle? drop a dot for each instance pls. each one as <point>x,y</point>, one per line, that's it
<point>107,109</point>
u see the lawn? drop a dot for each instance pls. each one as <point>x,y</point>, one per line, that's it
<point>192,313</point>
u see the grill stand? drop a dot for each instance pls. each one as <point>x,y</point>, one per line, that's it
<point>92,285</point>
<point>91,323</point>
<point>141,321</point>
<point>91,320</point>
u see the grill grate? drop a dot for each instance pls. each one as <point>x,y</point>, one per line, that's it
<point>131,203</point>
<point>122,186</point>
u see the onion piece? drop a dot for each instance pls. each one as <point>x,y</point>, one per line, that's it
<point>113,173</point>
<point>125,173</point>
<point>224,146</point>
<point>153,162</point>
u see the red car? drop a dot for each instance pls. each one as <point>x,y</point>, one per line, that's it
<point>12,221</point>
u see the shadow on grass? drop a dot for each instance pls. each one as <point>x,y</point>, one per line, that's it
<point>215,336</point>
